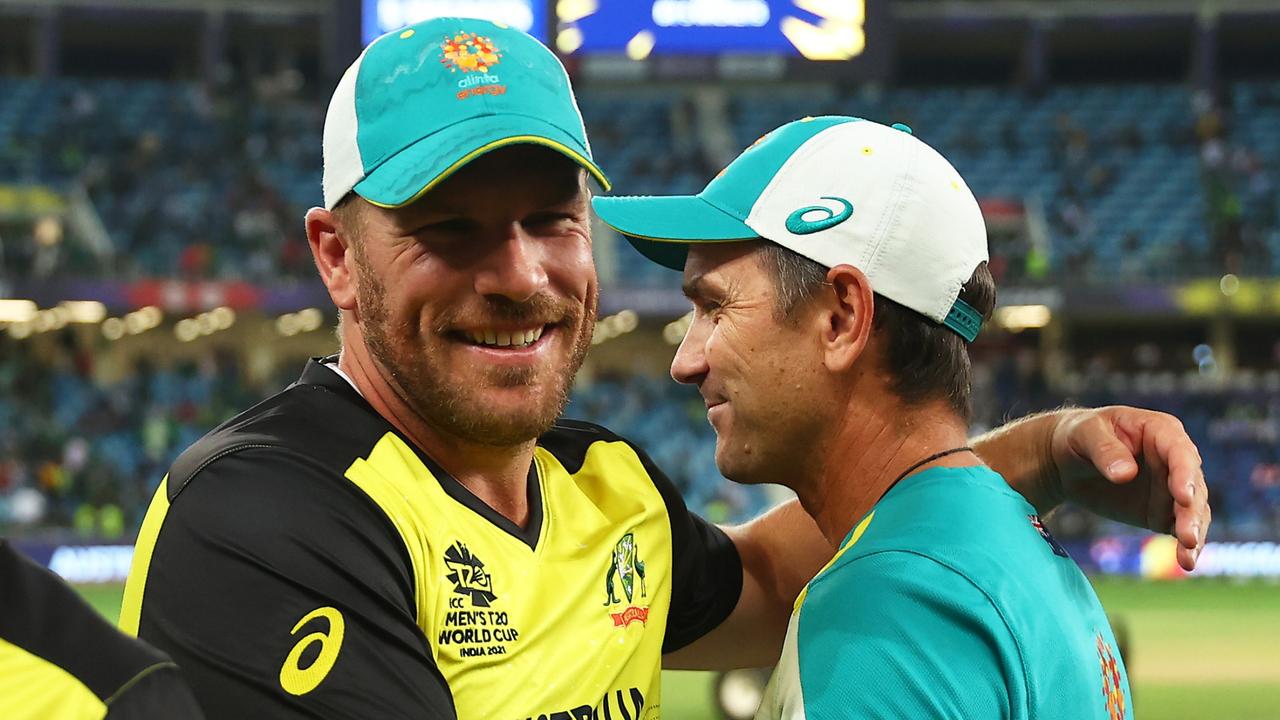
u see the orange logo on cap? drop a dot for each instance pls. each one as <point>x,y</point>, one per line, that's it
<point>469,52</point>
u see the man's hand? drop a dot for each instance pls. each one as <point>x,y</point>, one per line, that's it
<point>1149,467</point>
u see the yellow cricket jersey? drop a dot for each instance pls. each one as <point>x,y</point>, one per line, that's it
<point>305,560</point>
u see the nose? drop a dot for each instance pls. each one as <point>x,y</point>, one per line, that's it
<point>513,267</point>
<point>689,366</point>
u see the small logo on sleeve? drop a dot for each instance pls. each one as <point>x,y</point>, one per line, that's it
<point>798,224</point>
<point>1112,684</point>
<point>298,680</point>
<point>1048,537</point>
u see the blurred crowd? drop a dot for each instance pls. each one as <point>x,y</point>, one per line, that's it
<point>84,454</point>
<point>76,452</point>
<point>1149,181</point>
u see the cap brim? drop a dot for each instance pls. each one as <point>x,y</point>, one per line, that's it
<point>412,172</point>
<point>662,228</point>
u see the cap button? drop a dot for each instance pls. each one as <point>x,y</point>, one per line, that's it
<point>904,128</point>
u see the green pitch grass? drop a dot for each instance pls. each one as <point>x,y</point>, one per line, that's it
<point>1198,649</point>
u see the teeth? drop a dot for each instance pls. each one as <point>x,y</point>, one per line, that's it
<point>519,338</point>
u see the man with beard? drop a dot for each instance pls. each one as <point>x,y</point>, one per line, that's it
<point>409,530</point>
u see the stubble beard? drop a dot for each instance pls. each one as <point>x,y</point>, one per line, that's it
<point>445,404</point>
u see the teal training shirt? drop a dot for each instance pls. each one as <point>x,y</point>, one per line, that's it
<point>949,600</point>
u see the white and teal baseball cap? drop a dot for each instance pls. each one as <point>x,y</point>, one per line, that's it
<point>423,101</point>
<point>837,190</point>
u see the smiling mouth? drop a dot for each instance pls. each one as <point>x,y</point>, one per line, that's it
<point>490,337</point>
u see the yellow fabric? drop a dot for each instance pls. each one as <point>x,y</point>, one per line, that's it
<point>131,607</point>
<point>550,640</point>
<point>31,688</point>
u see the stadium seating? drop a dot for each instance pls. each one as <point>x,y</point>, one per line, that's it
<point>1146,181</point>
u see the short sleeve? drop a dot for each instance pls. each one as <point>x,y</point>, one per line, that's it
<point>898,635</point>
<point>283,592</point>
<point>160,692</point>
<point>706,568</point>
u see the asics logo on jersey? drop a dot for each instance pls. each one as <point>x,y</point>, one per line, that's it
<point>799,225</point>
<point>297,680</point>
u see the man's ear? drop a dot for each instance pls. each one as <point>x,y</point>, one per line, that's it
<point>847,314</point>
<point>332,253</point>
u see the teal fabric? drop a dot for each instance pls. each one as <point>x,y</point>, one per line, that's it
<point>736,189</point>
<point>964,319</point>
<point>681,219</point>
<point>953,605</point>
<point>658,226</point>
<point>418,113</point>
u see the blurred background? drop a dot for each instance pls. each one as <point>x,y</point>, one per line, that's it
<point>157,156</point>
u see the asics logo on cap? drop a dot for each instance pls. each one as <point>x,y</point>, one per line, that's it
<point>797,224</point>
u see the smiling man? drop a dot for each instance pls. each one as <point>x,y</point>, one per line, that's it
<point>409,530</point>
<point>832,354</point>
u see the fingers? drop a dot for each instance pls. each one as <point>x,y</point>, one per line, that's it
<point>1191,527</point>
<point>1161,507</point>
<point>1185,483</point>
<point>1096,440</point>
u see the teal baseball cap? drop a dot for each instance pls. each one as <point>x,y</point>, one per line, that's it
<point>421,102</point>
<point>839,191</point>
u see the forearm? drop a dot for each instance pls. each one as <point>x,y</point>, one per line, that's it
<point>1021,451</point>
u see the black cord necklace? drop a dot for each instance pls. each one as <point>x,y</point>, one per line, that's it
<point>926,461</point>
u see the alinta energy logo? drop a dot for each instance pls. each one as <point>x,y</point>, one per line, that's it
<point>626,570</point>
<point>474,55</point>
<point>466,572</point>
<point>1112,685</point>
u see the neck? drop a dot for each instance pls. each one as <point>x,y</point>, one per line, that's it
<point>868,451</point>
<point>498,476</point>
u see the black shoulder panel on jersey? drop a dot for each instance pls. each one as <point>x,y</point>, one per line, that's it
<point>42,615</point>
<point>569,441</point>
<point>321,416</point>
<point>263,531</point>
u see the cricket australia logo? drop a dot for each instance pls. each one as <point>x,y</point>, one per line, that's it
<point>466,572</point>
<point>626,569</point>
